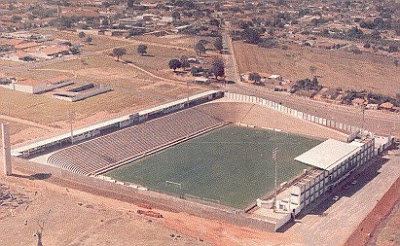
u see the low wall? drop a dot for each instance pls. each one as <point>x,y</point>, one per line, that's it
<point>131,195</point>
<point>294,113</point>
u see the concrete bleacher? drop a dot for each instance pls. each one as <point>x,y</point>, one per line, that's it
<point>229,112</point>
<point>103,152</point>
<point>263,117</point>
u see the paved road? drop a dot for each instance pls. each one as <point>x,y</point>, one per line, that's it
<point>231,71</point>
<point>344,215</point>
<point>375,121</point>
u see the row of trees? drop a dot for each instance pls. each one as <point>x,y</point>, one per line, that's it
<point>200,47</point>
<point>119,52</point>
<point>217,66</point>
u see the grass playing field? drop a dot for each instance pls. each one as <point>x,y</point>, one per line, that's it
<point>233,165</point>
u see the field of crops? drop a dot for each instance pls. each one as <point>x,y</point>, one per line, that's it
<point>232,165</point>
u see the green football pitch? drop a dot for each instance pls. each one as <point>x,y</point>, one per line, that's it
<point>232,165</point>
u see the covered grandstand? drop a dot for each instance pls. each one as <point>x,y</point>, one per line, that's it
<point>101,153</point>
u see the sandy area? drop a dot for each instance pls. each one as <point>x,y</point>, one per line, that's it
<point>77,218</point>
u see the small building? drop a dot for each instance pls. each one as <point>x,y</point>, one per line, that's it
<point>33,86</point>
<point>372,106</point>
<point>23,46</point>
<point>333,161</point>
<point>82,92</point>
<point>386,106</point>
<point>54,51</point>
<point>275,77</point>
<point>20,56</point>
<point>358,101</point>
<point>202,80</point>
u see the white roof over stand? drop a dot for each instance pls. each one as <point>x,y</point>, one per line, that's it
<point>328,154</point>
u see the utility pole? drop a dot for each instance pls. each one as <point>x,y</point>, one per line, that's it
<point>71,118</point>
<point>187,83</point>
<point>363,119</point>
<point>275,157</point>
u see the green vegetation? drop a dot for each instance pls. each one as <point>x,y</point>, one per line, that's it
<point>232,164</point>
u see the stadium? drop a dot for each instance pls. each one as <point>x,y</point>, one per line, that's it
<point>241,158</point>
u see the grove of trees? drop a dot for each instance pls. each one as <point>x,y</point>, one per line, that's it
<point>255,77</point>
<point>218,45</point>
<point>217,68</point>
<point>184,62</point>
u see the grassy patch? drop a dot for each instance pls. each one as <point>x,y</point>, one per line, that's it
<point>233,165</point>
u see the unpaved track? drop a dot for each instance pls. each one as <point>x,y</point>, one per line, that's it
<point>27,122</point>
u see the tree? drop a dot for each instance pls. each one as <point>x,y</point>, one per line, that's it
<point>81,35</point>
<point>142,49</point>
<point>16,18</point>
<point>251,36</point>
<point>176,15</point>
<point>106,4</point>
<point>174,64</point>
<point>393,48</point>
<point>217,68</point>
<point>119,52</point>
<point>255,77</point>
<point>215,22</point>
<point>184,62</point>
<point>89,40</point>
<point>218,45</point>
<point>199,48</point>
<point>131,3</point>
<point>75,50</point>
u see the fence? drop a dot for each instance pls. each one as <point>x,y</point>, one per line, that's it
<point>352,130</point>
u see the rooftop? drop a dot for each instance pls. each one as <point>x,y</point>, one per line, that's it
<point>328,154</point>
<point>29,82</point>
<point>54,50</point>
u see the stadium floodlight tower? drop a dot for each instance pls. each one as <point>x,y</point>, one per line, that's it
<point>71,119</point>
<point>275,157</point>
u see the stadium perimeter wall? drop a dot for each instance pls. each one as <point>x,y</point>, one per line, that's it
<point>128,194</point>
<point>352,130</point>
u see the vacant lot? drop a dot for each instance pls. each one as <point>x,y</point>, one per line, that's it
<point>336,68</point>
<point>183,41</point>
<point>21,132</point>
<point>46,110</point>
<point>73,218</point>
<point>232,165</point>
<point>8,63</point>
<point>156,61</point>
<point>99,43</point>
<point>133,89</point>
<point>175,40</point>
